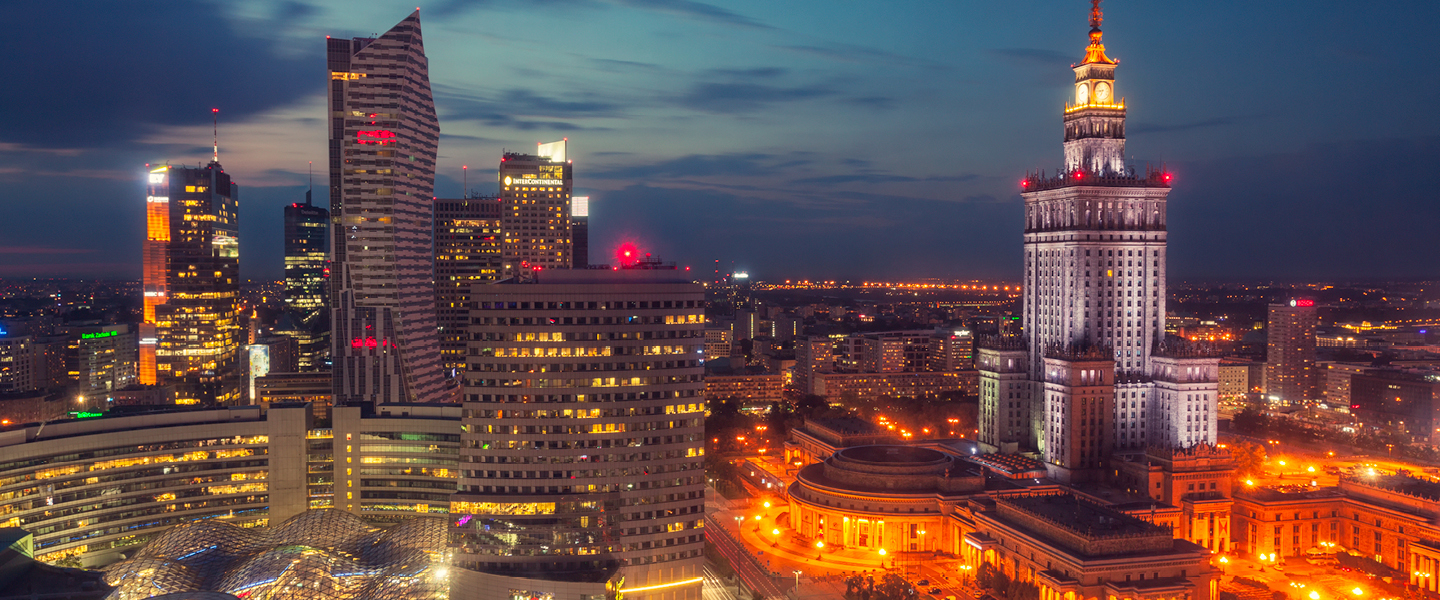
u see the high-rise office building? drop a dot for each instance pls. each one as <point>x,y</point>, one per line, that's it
<point>467,252</point>
<point>191,333</point>
<point>307,271</point>
<point>100,358</point>
<point>580,231</point>
<point>583,434</point>
<point>383,139</point>
<point>1098,377</point>
<point>1291,376</point>
<point>536,209</point>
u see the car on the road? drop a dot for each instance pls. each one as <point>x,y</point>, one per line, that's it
<point>923,582</point>
<point>934,590</point>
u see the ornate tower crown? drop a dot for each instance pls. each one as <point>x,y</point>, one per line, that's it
<point>1095,122</point>
<point>1095,52</point>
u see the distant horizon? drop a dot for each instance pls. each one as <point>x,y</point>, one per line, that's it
<point>982,281</point>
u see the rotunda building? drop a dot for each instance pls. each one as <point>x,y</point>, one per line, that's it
<point>885,498</point>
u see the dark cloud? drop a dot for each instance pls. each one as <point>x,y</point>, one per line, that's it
<point>293,10</point>
<point>1140,128</point>
<point>613,65</point>
<point>879,178</point>
<point>41,250</point>
<point>872,102</point>
<point>852,53</point>
<point>740,97</point>
<point>454,8</point>
<point>1035,56</point>
<point>522,109</point>
<point>698,165</point>
<point>760,72</point>
<point>697,10</point>
<point>128,71</point>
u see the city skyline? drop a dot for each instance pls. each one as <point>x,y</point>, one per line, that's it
<point>906,133</point>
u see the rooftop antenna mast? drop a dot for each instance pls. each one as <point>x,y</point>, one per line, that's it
<point>215,124</point>
<point>312,184</point>
<point>465,178</point>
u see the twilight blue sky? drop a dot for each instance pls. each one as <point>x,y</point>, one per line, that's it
<point>797,139</point>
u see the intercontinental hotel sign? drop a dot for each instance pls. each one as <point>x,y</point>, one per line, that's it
<point>534,181</point>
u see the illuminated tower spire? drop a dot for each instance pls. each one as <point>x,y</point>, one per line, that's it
<point>1095,123</point>
<point>215,124</point>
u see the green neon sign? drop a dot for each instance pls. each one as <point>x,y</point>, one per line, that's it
<point>103,334</point>
<point>86,414</point>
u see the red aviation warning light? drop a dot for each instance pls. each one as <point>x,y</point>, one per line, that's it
<point>627,254</point>
<point>1079,175</point>
<point>1167,178</point>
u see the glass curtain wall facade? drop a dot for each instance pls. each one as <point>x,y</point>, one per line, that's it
<point>194,313</point>
<point>307,271</point>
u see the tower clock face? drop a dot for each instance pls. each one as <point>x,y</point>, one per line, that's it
<point>1102,92</point>
<point>1082,93</point>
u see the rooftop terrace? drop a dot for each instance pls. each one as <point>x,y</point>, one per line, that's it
<point>1079,516</point>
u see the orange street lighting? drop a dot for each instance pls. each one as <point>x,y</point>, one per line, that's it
<point>1310,469</point>
<point>819,544</point>
<point>775,531</point>
<point>882,552</point>
<point>1357,591</point>
<point>1249,482</point>
<point>767,504</point>
<point>1314,595</point>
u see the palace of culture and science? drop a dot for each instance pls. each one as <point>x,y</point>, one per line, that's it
<point>1092,374</point>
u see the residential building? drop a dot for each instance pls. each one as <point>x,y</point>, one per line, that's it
<point>22,364</point>
<point>893,385</point>
<point>1337,378</point>
<point>952,350</point>
<point>1404,401</point>
<point>1291,376</point>
<point>717,341</point>
<point>1240,377</point>
<point>813,355</point>
<point>384,136</point>
<point>757,388</point>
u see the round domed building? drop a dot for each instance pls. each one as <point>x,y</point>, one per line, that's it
<point>892,498</point>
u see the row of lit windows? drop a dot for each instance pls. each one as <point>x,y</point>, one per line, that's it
<point>583,383</point>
